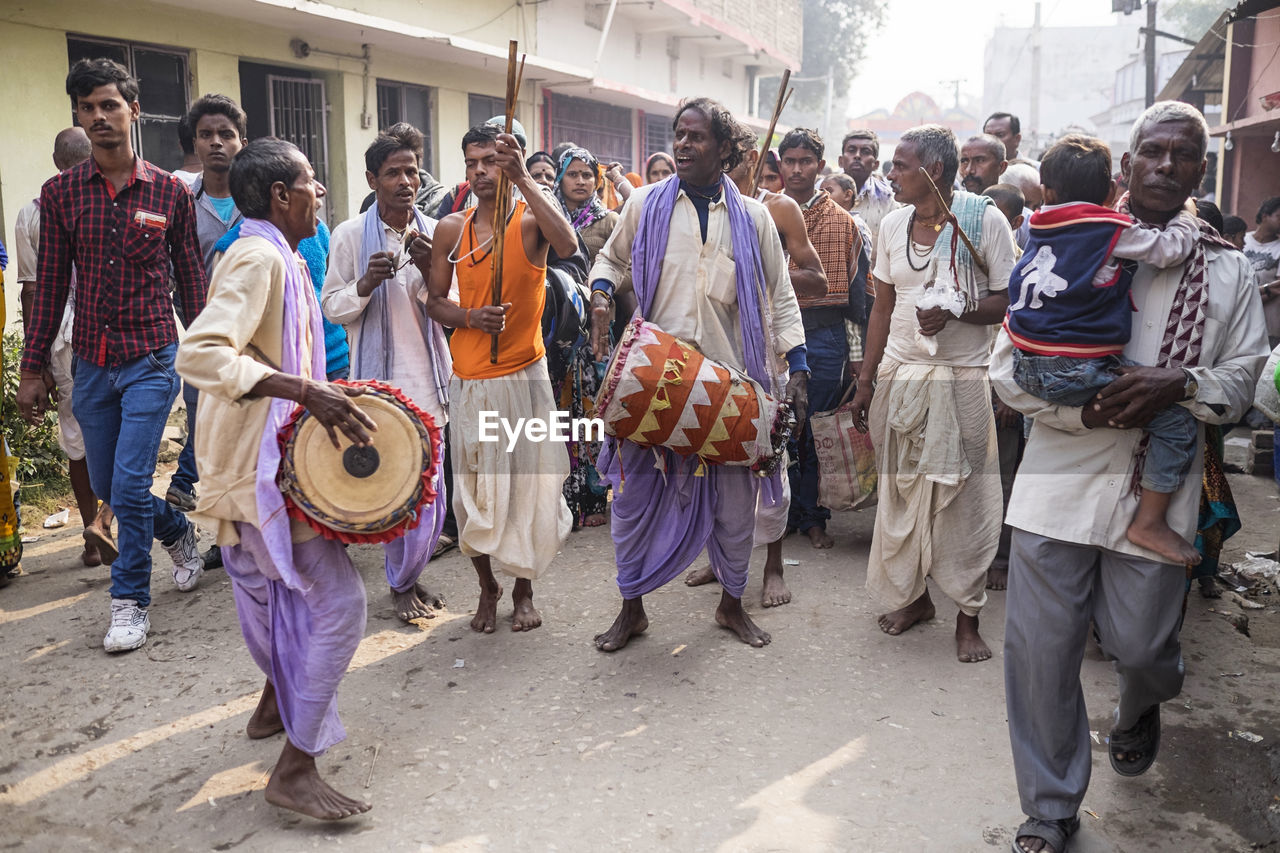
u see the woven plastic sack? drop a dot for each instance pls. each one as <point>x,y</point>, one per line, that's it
<point>846,459</point>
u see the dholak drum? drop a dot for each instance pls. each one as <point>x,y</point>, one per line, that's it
<point>361,494</point>
<point>660,391</point>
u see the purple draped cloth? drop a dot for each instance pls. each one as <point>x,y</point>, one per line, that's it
<point>664,511</point>
<point>406,557</point>
<point>302,641</point>
<point>273,520</point>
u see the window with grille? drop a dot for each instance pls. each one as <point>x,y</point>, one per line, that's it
<point>481,108</point>
<point>602,129</point>
<point>163,90</point>
<point>658,135</point>
<point>298,112</point>
<point>399,102</point>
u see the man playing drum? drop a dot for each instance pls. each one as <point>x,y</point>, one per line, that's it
<point>377,267</point>
<point>698,252</point>
<point>506,496</point>
<point>255,352</point>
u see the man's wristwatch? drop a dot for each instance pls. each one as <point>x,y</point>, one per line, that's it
<point>1192,387</point>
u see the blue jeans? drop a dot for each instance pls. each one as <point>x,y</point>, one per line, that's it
<point>124,408</point>
<point>1075,381</point>
<point>828,353</point>
<point>185,478</point>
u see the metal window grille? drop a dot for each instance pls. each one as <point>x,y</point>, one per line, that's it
<point>399,102</point>
<point>602,129</point>
<point>162,78</point>
<point>299,114</point>
<point>658,135</point>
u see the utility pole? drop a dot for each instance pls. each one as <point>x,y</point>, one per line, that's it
<point>1034,125</point>
<point>954,85</point>
<point>1149,49</point>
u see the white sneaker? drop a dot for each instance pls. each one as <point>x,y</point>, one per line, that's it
<point>188,565</point>
<point>129,626</point>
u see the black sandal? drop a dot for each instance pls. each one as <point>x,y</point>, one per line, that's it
<point>1054,833</point>
<point>1143,738</point>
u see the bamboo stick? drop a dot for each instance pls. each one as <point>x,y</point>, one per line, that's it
<point>779,105</point>
<point>968,244</point>
<point>502,204</point>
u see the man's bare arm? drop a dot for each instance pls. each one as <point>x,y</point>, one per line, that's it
<point>808,278</point>
<point>487,318</point>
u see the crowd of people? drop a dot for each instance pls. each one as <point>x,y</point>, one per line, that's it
<point>1043,363</point>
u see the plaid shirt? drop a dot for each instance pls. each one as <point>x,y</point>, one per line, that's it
<point>123,245</point>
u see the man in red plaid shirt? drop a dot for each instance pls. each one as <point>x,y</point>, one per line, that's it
<point>126,226</point>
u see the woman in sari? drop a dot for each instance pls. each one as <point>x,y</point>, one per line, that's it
<point>577,179</point>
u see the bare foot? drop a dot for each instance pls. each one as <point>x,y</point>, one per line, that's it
<point>920,610</point>
<point>1209,587</point>
<point>296,785</point>
<point>526,617</point>
<point>89,556</point>
<point>701,576</point>
<point>594,520</point>
<point>100,538</point>
<point>997,578</point>
<point>1162,539</point>
<point>631,622</point>
<point>265,721</point>
<point>486,617</point>
<point>731,615</point>
<point>775,592</point>
<point>818,537</point>
<point>970,647</point>
<point>409,604</point>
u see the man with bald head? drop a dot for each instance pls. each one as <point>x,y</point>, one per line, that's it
<point>1025,177</point>
<point>982,162</point>
<point>71,147</point>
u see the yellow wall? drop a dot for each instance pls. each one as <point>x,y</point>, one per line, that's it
<point>35,54</point>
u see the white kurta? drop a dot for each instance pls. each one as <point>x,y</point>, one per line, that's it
<point>342,304</point>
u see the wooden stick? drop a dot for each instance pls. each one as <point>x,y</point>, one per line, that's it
<point>779,105</point>
<point>502,202</point>
<point>968,244</point>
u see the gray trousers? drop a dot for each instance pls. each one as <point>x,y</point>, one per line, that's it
<point>1055,590</point>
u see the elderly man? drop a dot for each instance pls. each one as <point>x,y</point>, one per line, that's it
<point>253,355</point>
<point>930,418</point>
<point>1200,328</point>
<point>707,267</point>
<point>982,162</point>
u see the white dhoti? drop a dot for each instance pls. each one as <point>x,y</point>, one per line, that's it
<point>940,503</point>
<point>771,521</point>
<point>509,504</point>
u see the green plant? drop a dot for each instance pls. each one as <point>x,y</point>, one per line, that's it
<point>41,466</point>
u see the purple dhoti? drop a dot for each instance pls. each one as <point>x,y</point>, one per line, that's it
<point>662,521</point>
<point>302,640</point>
<point>407,556</point>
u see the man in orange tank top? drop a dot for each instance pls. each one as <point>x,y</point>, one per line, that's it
<point>507,476</point>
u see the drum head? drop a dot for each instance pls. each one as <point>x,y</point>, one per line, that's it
<point>360,485</point>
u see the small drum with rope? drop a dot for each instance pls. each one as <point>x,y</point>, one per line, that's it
<point>660,391</point>
<point>361,494</point>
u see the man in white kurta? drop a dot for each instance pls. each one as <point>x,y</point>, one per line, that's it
<point>930,418</point>
<point>372,288</point>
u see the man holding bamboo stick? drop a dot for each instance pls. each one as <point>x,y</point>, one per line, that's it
<point>930,417</point>
<point>506,494</point>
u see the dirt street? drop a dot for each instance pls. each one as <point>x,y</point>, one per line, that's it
<point>834,738</point>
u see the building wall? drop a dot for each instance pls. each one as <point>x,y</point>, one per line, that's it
<point>1077,72</point>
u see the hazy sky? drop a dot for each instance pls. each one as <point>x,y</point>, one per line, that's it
<point>924,42</point>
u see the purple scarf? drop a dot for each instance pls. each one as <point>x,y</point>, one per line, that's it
<point>650,246</point>
<point>273,520</point>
